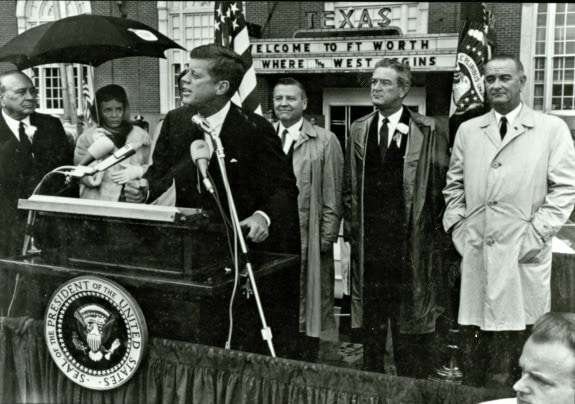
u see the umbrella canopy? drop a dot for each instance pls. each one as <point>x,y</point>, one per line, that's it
<point>85,39</point>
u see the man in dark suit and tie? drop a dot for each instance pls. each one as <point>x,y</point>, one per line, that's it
<point>394,172</point>
<point>31,145</point>
<point>262,183</point>
<point>261,180</point>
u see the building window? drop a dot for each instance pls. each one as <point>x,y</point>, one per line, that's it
<point>554,58</point>
<point>191,24</point>
<point>47,78</point>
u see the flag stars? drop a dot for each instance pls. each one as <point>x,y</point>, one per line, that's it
<point>235,24</point>
<point>217,25</point>
<point>234,8</point>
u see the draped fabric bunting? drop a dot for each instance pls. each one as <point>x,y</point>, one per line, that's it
<point>178,372</point>
<point>475,47</point>
<point>231,31</point>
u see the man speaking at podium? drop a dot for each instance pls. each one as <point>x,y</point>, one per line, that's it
<point>262,183</point>
<point>261,180</point>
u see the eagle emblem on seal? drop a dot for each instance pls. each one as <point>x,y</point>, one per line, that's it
<point>94,327</point>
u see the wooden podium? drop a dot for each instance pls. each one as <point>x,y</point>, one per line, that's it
<point>175,262</point>
<point>134,238</point>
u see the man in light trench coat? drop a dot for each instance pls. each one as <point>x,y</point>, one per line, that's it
<point>510,187</point>
<point>317,161</point>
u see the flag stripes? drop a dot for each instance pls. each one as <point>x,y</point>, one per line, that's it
<point>87,98</point>
<point>231,31</point>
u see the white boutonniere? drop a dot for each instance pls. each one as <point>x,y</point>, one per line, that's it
<point>30,130</point>
<point>400,130</point>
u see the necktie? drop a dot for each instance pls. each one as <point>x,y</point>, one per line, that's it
<point>503,127</point>
<point>25,143</point>
<point>284,137</point>
<point>383,138</point>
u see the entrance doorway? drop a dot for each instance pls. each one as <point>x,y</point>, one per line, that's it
<point>342,106</point>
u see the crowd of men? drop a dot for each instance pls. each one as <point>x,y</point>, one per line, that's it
<point>407,201</point>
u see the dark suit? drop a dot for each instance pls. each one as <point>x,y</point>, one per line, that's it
<point>258,172</point>
<point>260,179</point>
<point>19,175</point>
<point>392,209</point>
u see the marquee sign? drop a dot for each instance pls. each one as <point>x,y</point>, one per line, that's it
<point>95,332</point>
<point>432,52</point>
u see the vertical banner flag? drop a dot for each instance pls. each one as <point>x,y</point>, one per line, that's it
<point>87,98</point>
<point>476,40</point>
<point>231,31</point>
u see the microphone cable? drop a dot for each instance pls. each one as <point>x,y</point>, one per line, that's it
<point>233,255</point>
<point>28,229</point>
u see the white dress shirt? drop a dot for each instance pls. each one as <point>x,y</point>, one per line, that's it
<point>391,125</point>
<point>292,135</point>
<point>510,116</point>
<point>216,121</point>
<point>14,125</point>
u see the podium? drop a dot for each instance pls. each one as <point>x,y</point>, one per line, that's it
<point>174,261</point>
<point>133,238</point>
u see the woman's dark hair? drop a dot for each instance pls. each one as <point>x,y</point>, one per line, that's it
<point>109,93</point>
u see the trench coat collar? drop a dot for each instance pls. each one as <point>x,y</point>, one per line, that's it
<point>489,124</point>
<point>307,131</point>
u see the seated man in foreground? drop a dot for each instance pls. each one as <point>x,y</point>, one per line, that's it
<point>548,361</point>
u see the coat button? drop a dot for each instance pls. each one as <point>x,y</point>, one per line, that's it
<point>489,242</point>
<point>491,203</point>
<point>496,164</point>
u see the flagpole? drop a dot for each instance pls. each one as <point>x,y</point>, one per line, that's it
<point>66,95</point>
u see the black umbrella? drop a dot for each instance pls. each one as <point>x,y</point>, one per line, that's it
<point>85,39</point>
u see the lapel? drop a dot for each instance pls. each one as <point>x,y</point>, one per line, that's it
<point>490,128</point>
<point>307,131</point>
<point>415,179</point>
<point>6,134</point>
<point>414,137</point>
<point>232,126</point>
<point>524,120</point>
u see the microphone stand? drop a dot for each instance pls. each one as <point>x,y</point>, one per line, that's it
<point>266,330</point>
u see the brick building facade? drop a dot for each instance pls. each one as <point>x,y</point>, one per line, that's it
<point>150,82</point>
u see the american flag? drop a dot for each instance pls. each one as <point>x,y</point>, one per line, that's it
<point>231,31</point>
<point>476,40</point>
<point>87,99</point>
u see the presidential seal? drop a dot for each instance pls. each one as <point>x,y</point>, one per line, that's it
<point>96,332</point>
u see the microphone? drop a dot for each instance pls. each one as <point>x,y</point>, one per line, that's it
<point>200,156</point>
<point>117,157</point>
<point>203,124</point>
<point>100,148</point>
